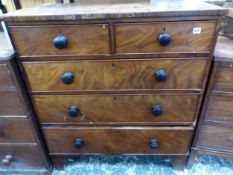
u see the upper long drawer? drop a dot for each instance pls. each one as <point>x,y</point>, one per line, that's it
<point>61,39</point>
<point>189,36</point>
<point>115,75</point>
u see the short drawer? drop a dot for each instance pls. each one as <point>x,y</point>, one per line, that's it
<point>21,157</point>
<point>61,39</point>
<point>119,109</point>
<point>224,78</point>
<point>188,36</point>
<point>5,76</point>
<point>219,137</point>
<point>220,108</point>
<point>15,131</point>
<point>119,140</point>
<point>115,75</point>
<point>11,104</point>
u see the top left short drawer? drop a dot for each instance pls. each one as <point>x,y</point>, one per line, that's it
<point>52,40</point>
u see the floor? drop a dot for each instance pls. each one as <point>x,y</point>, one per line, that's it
<point>144,165</point>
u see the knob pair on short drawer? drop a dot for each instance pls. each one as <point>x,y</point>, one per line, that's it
<point>61,41</point>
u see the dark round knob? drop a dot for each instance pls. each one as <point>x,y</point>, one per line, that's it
<point>153,144</point>
<point>60,41</point>
<point>161,75</point>
<point>164,39</point>
<point>73,111</point>
<point>78,143</point>
<point>156,110</point>
<point>67,78</point>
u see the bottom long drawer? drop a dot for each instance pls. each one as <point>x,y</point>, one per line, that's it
<point>118,140</point>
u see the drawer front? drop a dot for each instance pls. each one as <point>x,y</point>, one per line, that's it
<point>93,109</point>
<point>220,108</point>
<point>136,140</point>
<point>11,104</point>
<point>15,131</point>
<point>115,75</point>
<point>224,79</point>
<point>23,158</point>
<point>219,137</point>
<point>5,76</point>
<point>80,39</point>
<point>189,36</point>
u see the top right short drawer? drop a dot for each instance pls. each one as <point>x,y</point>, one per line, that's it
<point>170,37</point>
<point>224,78</point>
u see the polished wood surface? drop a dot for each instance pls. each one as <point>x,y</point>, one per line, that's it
<point>220,108</point>
<point>11,103</point>
<point>15,131</point>
<point>224,50</point>
<point>131,140</point>
<point>97,109</point>
<point>26,158</point>
<point>116,75</point>
<point>82,39</point>
<point>224,78</point>
<point>116,10</point>
<point>5,77</point>
<point>144,37</point>
<point>216,137</point>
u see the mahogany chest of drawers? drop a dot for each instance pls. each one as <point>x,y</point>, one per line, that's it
<point>116,78</point>
<point>21,149</point>
<point>215,128</point>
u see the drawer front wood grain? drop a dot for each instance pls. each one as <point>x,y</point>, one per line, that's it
<point>224,79</point>
<point>11,104</point>
<point>219,137</point>
<point>82,39</point>
<point>220,108</point>
<point>115,75</point>
<point>94,109</point>
<point>118,140</point>
<point>5,76</point>
<point>24,157</point>
<point>15,131</point>
<point>144,37</point>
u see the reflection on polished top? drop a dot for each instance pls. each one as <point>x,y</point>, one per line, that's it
<point>111,9</point>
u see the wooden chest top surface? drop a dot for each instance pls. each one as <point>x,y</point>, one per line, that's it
<point>112,9</point>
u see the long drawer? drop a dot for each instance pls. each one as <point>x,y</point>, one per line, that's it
<point>118,140</point>
<point>21,157</point>
<point>115,75</point>
<point>220,108</point>
<point>94,109</point>
<point>218,137</point>
<point>80,39</point>
<point>188,36</point>
<point>15,131</point>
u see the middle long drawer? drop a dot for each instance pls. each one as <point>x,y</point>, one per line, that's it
<point>128,108</point>
<point>115,75</point>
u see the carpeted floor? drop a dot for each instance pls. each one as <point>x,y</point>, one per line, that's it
<point>144,165</point>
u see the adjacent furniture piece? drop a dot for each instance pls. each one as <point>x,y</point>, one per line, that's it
<point>116,78</point>
<point>21,149</point>
<point>214,135</point>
